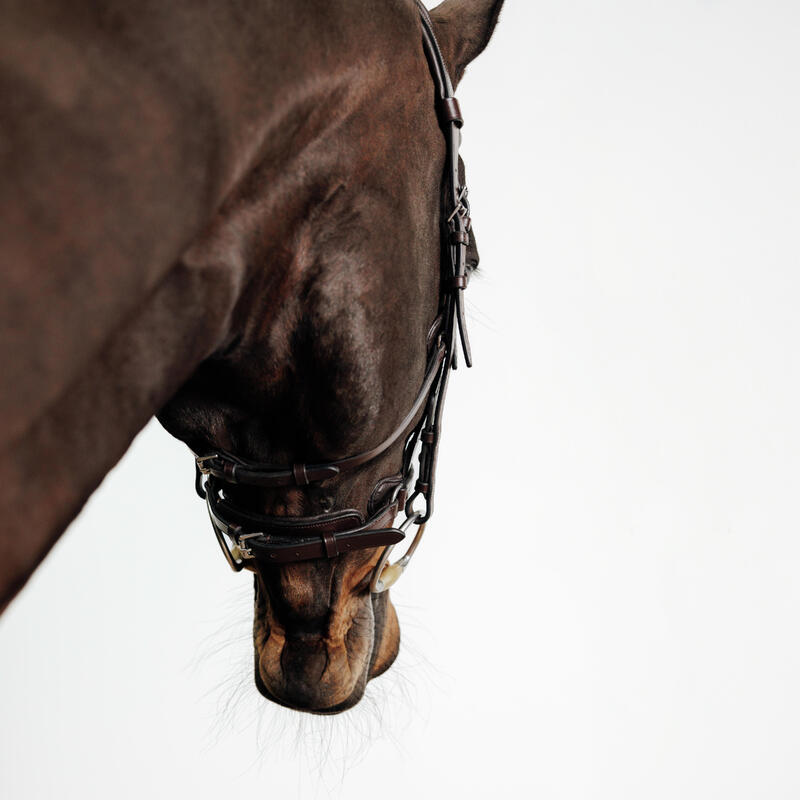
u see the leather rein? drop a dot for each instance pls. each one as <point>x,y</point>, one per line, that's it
<point>245,536</point>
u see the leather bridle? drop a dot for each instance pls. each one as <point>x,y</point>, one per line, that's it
<point>245,536</point>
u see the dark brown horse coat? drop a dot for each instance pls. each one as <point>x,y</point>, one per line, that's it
<point>244,187</point>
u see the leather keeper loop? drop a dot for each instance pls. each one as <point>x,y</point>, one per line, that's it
<point>459,237</point>
<point>228,470</point>
<point>331,547</point>
<point>428,437</point>
<point>458,282</point>
<point>422,487</point>
<point>300,474</point>
<point>451,112</point>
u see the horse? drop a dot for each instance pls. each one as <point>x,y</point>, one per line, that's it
<point>229,218</point>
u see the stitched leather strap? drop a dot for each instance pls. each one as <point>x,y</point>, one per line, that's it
<point>282,540</point>
<point>290,552</point>
<point>230,469</point>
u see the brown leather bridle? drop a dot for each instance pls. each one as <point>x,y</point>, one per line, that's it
<point>247,536</point>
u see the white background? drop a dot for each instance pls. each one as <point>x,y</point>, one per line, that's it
<point>606,603</point>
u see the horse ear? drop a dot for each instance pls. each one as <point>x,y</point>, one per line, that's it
<point>463,29</point>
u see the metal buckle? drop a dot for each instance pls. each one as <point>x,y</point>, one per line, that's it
<point>235,563</point>
<point>244,551</point>
<point>236,553</point>
<point>201,460</point>
<point>384,576</point>
<point>462,205</point>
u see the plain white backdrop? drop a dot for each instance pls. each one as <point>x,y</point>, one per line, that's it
<point>606,604</point>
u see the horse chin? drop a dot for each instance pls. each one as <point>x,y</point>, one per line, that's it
<point>325,673</point>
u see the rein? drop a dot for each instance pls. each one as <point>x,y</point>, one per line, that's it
<point>245,536</point>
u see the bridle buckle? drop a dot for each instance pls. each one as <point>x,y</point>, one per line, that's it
<point>243,551</point>
<point>230,539</point>
<point>201,461</point>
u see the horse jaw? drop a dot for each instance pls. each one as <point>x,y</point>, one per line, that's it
<point>318,656</point>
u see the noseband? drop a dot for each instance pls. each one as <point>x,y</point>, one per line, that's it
<point>245,536</point>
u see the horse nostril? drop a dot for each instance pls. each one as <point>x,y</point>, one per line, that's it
<point>304,662</point>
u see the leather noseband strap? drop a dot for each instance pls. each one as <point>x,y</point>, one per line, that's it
<point>230,469</point>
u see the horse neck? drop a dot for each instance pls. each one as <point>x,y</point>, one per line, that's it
<point>148,315</point>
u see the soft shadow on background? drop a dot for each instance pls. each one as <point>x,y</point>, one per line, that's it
<point>613,618</point>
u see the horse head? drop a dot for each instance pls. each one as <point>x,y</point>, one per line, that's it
<point>337,234</point>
